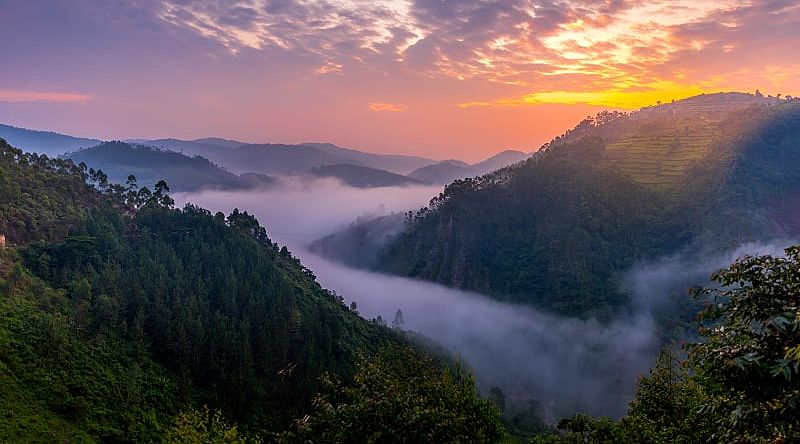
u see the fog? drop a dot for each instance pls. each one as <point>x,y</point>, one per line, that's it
<point>566,364</point>
<point>298,211</point>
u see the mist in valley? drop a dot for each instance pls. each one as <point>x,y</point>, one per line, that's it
<point>565,364</point>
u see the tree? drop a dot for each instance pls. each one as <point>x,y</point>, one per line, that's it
<point>665,406</point>
<point>203,427</point>
<point>749,362</point>
<point>161,196</point>
<point>400,395</point>
<point>498,398</point>
<point>398,321</point>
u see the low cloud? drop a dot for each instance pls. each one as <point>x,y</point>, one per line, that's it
<point>21,96</point>
<point>566,364</point>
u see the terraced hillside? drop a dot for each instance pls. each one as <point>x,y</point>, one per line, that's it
<point>656,145</point>
<point>660,159</point>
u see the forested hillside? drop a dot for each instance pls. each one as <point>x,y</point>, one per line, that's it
<point>558,230</point>
<point>120,317</point>
<point>118,160</point>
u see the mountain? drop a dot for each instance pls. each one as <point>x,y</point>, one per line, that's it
<point>149,165</point>
<point>447,171</point>
<point>208,147</point>
<point>285,159</point>
<point>362,177</point>
<point>560,229</point>
<point>399,164</point>
<point>441,173</point>
<point>274,159</point>
<point>499,160</point>
<point>44,142</point>
<point>126,320</point>
<point>225,143</point>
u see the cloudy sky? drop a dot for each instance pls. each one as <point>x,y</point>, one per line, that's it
<point>443,78</point>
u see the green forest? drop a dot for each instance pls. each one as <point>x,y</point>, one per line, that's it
<point>578,214</point>
<point>123,319</point>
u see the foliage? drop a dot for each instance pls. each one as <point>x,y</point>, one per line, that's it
<point>40,197</point>
<point>400,395</point>
<point>140,311</point>
<point>204,427</point>
<point>747,362</point>
<point>554,228</point>
<point>61,384</point>
<point>739,385</point>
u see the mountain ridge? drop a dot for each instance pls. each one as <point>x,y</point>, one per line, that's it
<point>578,195</point>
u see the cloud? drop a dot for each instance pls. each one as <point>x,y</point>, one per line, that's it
<point>383,106</point>
<point>559,50</point>
<point>614,98</point>
<point>567,364</point>
<point>20,96</point>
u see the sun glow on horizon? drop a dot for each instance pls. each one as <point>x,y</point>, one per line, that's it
<point>633,98</point>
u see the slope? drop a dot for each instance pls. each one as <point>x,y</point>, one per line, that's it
<point>396,163</point>
<point>149,165</point>
<point>558,230</point>
<point>44,142</point>
<point>271,158</point>
<point>139,311</point>
<point>444,172</point>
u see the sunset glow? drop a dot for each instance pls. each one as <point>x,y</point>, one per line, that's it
<point>398,74</point>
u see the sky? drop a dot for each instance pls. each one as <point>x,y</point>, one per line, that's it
<point>446,79</point>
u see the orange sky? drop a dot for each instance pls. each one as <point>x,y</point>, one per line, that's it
<point>447,79</point>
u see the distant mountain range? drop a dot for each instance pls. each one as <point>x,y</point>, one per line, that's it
<point>226,163</point>
<point>559,230</point>
<point>273,158</point>
<point>447,171</point>
<point>44,142</point>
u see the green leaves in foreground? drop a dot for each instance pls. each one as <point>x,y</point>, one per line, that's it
<point>740,385</point>
<point>400,395</point>
<point>749,360</point>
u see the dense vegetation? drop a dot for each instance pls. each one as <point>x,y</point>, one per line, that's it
<point>739,385</point>
<point>119,160</point>
<point>558,230</point>
<point>124,326</point>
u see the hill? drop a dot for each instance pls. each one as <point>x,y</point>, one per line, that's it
<point>441,173</point>
<point>447,171</point>
<point>271,158</point>
<point>362,177</point>
<point>120,317</point>
<point>274,159</point>
<point>396,163</point>
<point>44,142</point>
<point>559,230</point>
<point>149,165</point>
<point>499,160</point>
